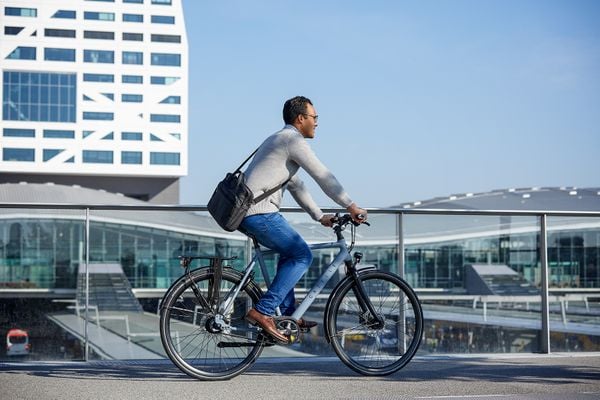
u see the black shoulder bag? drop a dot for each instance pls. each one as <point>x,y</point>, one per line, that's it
<point>232,198</point>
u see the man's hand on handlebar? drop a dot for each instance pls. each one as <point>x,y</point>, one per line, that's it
<point>327,220</point>
<point>359,215</point>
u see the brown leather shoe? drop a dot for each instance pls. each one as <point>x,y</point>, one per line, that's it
<point>306,324</point>
<point>267,325</point>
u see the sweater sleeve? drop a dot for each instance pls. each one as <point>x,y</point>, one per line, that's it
<point>300,152</point>
<point>302,196</point>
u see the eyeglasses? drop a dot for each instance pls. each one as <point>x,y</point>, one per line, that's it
<point>316,116</point>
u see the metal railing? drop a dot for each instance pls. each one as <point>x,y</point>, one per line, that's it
<point>542,215</point>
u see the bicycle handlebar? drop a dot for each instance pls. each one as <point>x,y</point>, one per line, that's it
<point>343,220</point>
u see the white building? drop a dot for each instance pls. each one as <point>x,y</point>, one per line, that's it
<point>94,93</point>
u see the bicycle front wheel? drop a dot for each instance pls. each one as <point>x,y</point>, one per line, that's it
<point>363,344</point>
<point>201,342</point>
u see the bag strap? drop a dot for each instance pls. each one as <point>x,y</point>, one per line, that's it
<point>270,192</point>
<point>247,159</point>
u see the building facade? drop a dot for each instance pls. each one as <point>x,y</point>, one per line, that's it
<point>94,93</point>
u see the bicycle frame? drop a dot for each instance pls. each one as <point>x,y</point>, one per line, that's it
<point>343,257</point>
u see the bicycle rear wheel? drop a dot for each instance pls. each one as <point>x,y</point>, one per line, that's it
<point>359,341</point>
<point>201,342</point>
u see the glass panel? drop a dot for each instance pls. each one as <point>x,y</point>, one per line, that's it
<point>166,59</point>
<point>163,158</point>
<point>39,261</point>
<point>574,283</point>
<point>162,19</point>
<point>68,14</point>
<point>478,278</point>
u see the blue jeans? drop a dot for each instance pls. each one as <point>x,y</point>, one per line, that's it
<point>273,231</point>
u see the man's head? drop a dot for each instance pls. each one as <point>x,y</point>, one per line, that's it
<point>299,111</point>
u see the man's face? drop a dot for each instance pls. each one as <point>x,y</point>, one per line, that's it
<point>308,122</point>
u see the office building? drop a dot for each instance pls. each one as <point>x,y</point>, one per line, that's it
<point>94,93</point>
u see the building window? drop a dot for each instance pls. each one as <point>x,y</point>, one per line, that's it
<point>99,16</point>
<point>97,157</point>
<point>164,158</point>
<point>133,57</point>
<point>136,37</point>
<point>166,38</point>
<point>165,118</point>
<point>67,33</point>
<point>99,56</point>
<point>166,59</point>
<point>172,100</point>
<point>51,54</point>
<point>163,80</point>
<point>12,30</point>
<point>131,157</point>
<point>133,18</point>
<point>66,14</point>
<point>132,98</point>
<point>20,11</point>
<point>162,2</point>
<point>15,132</point>
<point>51,153</point>
<point>134,1</point>
<point>132,79</point>
<point>9,154</point>
<point>99,35</point>
<point>59,134</point>
<point>98,78</point>
<point>98,116</point>
<point>131,135</point>
<point>39,96</point>
<point>162,19</point>
<point>22,53</point>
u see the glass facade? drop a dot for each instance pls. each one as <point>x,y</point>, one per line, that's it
<point>39,96</point>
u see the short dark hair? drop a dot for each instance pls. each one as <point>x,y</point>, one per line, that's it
<point>294,107</point>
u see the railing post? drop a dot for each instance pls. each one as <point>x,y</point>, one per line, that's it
<point>87,282</point>
<point>545,334</point>
<point>400,250</point>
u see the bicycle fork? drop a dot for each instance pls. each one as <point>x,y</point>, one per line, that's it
<point>368,312</point>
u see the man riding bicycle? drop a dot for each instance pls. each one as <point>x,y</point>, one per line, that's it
<point>276,162</point>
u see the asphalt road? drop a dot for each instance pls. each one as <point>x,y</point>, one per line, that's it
<point>548,377</point>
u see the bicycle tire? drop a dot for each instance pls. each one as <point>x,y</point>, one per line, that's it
<point>365,348</point>
<point>188,334</point>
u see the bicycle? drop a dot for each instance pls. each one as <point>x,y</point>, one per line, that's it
<point>373,319</point>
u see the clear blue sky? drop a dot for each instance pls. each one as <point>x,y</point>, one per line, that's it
<point>416,99</point>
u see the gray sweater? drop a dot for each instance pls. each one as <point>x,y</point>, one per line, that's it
<point>279,158</point>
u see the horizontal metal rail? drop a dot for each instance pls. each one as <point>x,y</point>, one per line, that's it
<point>405,211</point>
